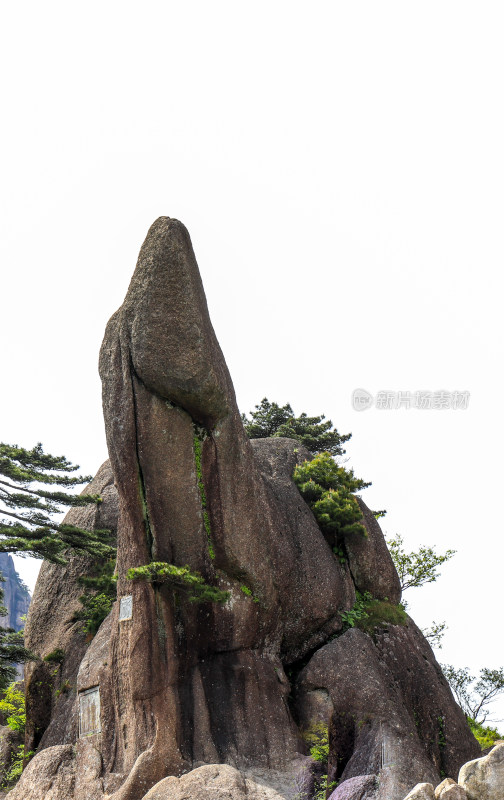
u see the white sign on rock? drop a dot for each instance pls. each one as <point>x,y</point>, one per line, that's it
<point>89,712</point>
<point>126,608</point>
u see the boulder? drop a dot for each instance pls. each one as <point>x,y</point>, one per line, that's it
<point>440,724</point>
<point>453,792</point>
<point>370,562</point>
<point>442,786</point>
<point>362,788</point>
<point>483,778</point>
<point>50,775</point>
<point>376,712</point>
<point>212,782</point>
<point>422,791</point>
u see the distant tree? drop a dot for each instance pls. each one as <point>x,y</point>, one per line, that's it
<point>317,435</point>
<point>435,633</point>
<point>27,525</point>
<point>473,695</point>
<point>473,698</point>
<point>417,569</point>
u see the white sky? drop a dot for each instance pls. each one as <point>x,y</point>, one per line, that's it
<point>340,169</point>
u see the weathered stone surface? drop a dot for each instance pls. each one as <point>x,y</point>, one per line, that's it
<point>453,792</point>
<point>182,685</point>
<point>442,786</point>
<point>362,788</point>
<point>51,717</point>
<point>50,775</point>
<point>426,697</point>
<point>214,782</point>
<point>377,712</point>
<point>370,562</point>
<point>483,778</point>
<point>164,378</point>
<point>422,791</point>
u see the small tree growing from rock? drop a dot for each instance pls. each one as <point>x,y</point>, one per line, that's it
<point>316,433</point>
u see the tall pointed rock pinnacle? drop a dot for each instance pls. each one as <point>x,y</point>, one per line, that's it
<point>167,684</point>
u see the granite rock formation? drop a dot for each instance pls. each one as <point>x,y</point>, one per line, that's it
<point>16,594</point>
<point>52,717</point>
<point>175,686</point>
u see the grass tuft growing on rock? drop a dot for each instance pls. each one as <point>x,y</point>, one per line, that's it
<point>369,613</point>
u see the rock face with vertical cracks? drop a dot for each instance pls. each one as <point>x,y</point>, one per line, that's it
<point>201,683</point>
<point>182,685</point>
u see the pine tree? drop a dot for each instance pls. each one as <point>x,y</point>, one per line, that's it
<point>315,433</point>
<point>29,506</point>
<point>27,525</point>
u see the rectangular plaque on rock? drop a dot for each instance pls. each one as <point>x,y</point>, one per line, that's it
<point>126,608</point>
<point>89,711</point>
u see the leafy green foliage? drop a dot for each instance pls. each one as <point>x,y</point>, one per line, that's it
<point>190,584</point>
<point>30,527</point>
<point>328,489</point>
<point>369,613</point>
<point>324,789</point>
<point>55,656</point>
<point>416,569</point>
<point>99,595</point>
<point>474,695</point>
<point>435,633</point>
<point>317,435</point>
<point>317,737</point>
<point>485,735</point>
<point>12,707</point>
<point>247,591</point>
<point>95,608</point>
<point>358,611</point>
<point>13,772</point>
